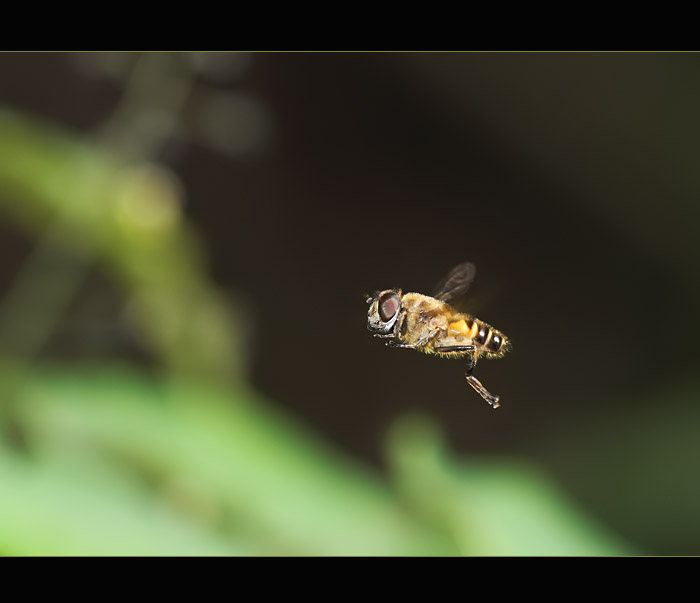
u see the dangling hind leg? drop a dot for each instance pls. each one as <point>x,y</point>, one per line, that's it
<point>480,389</point>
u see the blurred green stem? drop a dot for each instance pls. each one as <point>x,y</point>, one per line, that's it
<point>126,217</point>
<point>144,204</point>
<point>151,106</point>
<point>39,294</point>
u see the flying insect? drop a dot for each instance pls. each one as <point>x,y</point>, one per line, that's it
<point>433,326</point>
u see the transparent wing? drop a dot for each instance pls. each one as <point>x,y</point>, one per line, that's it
<point>456,283</point>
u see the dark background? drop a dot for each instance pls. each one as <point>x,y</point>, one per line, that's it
<point>571,180</point>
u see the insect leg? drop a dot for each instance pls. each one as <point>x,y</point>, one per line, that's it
<point>419,344</point>
<point>471,364</point>
<point>480,389</point>
<point>455,348</point>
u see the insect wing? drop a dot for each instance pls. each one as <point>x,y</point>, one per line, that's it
<point>456,283</point>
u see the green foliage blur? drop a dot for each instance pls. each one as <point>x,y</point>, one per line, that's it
<point>186,458</point>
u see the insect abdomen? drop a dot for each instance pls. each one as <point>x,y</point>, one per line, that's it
<point>492,342</point>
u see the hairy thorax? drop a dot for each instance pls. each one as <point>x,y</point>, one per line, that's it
<point>423,316</point>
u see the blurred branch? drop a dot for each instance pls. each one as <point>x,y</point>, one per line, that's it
<point>150,110</point>
<point>42,289</point>
<point>128,217</point>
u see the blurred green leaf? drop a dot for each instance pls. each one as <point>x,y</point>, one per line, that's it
<point>49,508</point>
<point>228,464</point>
<point>250,470</point>
<point>491,507</point>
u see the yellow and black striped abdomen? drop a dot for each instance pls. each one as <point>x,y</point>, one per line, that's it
<point>490,342</point>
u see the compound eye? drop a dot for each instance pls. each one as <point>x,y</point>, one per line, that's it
<point>389,304</point>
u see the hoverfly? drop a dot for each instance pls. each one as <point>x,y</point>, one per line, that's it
<point>431,325</point>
